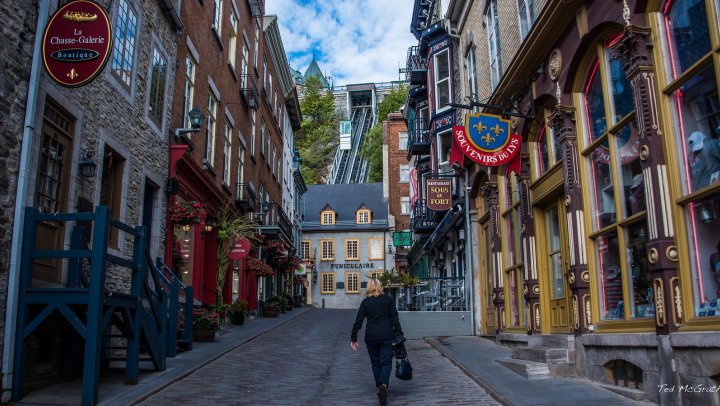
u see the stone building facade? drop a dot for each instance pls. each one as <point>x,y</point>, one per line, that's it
<point>345,234</point>
<point>600,245</point>
<point>117,123</point>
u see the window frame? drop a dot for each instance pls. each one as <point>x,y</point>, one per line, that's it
<point>404,168</point>
<point>125,41</point>
<point>513,257</point>
<point>232,41</point>
<point>189,89</point>
<point>492,21</point>
<point>211,130</point>
<point>403,140</point>
<point>360,213</point>
<point>323,283</point>
<point>370,249</point>
<point>348,257</point>
<point>356,277</point>
<point>438,81</point>
<point>530,17</point>
<point>216,25</point>
<point>309,249</point>
<point>160,94</point>
<point>323,241</point>
<point>322,218</point>
<point>227,154</point>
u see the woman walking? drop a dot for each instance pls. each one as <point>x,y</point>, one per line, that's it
<point>382,323</point>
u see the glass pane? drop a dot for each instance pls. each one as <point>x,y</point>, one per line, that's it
<point>594,104</point>
<point>697,118</point>
<point>702,221</point>
<point>510,238</point>
<point>627,144</point>
<point>543,158</point>
<point>641,293</point>
<point>182,252</point>
<point>515,298</point>
<point>608,263</point>
<point>621,91</point>
<point>555,260</point>
<point>442,65</point>
<point>602,187</point>
<point>686,28</point>
<point>443,93</point>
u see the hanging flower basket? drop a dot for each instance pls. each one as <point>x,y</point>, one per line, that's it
<point>187,213</point>
<point>260,268</point>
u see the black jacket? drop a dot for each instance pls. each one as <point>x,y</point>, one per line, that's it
<point>382,319</point>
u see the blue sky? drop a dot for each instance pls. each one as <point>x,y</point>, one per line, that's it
<point>353,41</point>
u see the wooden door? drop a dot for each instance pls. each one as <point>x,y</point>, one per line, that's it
<point>51,189</point>
<point>488,283</point>
<point>556,254</point>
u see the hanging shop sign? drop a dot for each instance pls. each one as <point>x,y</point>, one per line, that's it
<point>76,43</point>
<point>486,140</point>
<point>239,250</point>
<point>439,194</point>
<point>402,238</point>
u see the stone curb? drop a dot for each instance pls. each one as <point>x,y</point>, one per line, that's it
<point>486,386</point>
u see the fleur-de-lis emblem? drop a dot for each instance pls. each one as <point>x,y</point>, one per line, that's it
<point>497,130</point>
<point>480,129</point>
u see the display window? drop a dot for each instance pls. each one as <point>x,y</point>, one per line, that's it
<point>691,87</point>
<point>513,249</point>
<point>183,252</point>
<point>547,150</point>
<point>616,190</point>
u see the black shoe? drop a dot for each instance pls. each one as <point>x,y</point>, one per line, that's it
<point>382,394</point>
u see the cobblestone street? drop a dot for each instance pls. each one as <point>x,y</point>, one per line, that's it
<point>308,361</point>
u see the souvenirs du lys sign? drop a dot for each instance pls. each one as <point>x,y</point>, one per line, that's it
<point>487,141</point>
<point>76,43</point>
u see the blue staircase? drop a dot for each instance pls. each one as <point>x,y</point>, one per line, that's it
<point>146,314</point>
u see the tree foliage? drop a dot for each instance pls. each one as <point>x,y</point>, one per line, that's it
<point>372,148</point>
<point>231,228</point>
<point>319,135</point>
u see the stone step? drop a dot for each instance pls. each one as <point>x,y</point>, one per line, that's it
<point>631,393</point>
<point>562,370</point>
<point>528,369</point>
<point>541,354</point>
<point>564,341</point>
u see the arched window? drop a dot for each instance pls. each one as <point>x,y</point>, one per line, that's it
<point>615,182</point>
<point>691,86</point>
<point>547,151</point>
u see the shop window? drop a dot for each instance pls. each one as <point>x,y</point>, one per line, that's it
<point>327,250</point>
<point>352,250</point>
<point>376,248</point>
<point>623,373</point>
<point>327,283</point>
<point>513,249</point>
<point>352,282</point>
<point>183,252</point>
<point>617,190</point>
<point>124,43</point>
<point>442,79</point>
<point>693,94</point>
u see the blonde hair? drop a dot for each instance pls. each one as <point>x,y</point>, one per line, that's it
<point>374,288</point>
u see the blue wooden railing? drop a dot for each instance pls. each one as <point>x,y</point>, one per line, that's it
<point>143,313</point>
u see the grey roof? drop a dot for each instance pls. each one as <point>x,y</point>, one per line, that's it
<point>345,200</point>
<point>314,70</point>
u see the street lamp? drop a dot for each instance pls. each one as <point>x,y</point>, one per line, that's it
<point>196,119</point>
<point>87,165</point>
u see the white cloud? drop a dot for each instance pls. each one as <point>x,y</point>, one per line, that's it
<point>354,42</point>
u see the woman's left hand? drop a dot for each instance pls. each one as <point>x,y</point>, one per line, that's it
<point>354,345</point>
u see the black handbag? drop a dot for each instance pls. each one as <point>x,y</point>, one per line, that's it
<point>403,369</point>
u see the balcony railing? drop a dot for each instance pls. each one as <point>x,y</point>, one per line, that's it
<point>250,92</point>
<point>257,7</point>
<point>418,137</point>
<point>274,221</point>
<point>244,197</point>
<point>422,219</point>
<point>417,65</point>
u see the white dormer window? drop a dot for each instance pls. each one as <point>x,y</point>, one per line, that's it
<point>363,216</point>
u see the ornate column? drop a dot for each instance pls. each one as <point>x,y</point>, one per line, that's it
<point>635,48</point>
<point>562,122</point>
<point>531,287</point>
<point>491,194</point>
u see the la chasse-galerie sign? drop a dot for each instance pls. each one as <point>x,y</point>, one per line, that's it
<point>76,43</point>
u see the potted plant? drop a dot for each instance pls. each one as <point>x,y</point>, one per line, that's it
<point>237,310</point>
<point>206,322</point>
<point>271,307</point>
<point>288,302</point>
<point>282,303</point>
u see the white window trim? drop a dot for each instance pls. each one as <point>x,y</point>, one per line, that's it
<point>436,97</point>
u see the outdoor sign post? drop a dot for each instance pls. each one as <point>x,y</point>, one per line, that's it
<point>76,43</point>
<point>487,141</point>
<point>439,194</point>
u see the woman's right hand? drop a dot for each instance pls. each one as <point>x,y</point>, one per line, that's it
<point>354,345</point>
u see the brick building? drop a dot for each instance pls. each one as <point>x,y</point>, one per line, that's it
<point>236,73</point>
<point>396,182</point>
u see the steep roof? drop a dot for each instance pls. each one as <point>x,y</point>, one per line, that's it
<point>345,199</point>
<point>314,70</point>
<point>297,76</point>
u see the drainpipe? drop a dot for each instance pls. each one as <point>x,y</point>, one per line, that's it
<point>20,203</point>
<point>470,269</point>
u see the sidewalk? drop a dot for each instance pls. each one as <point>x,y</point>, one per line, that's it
<point>476,357</point>
<point>114,392</point>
